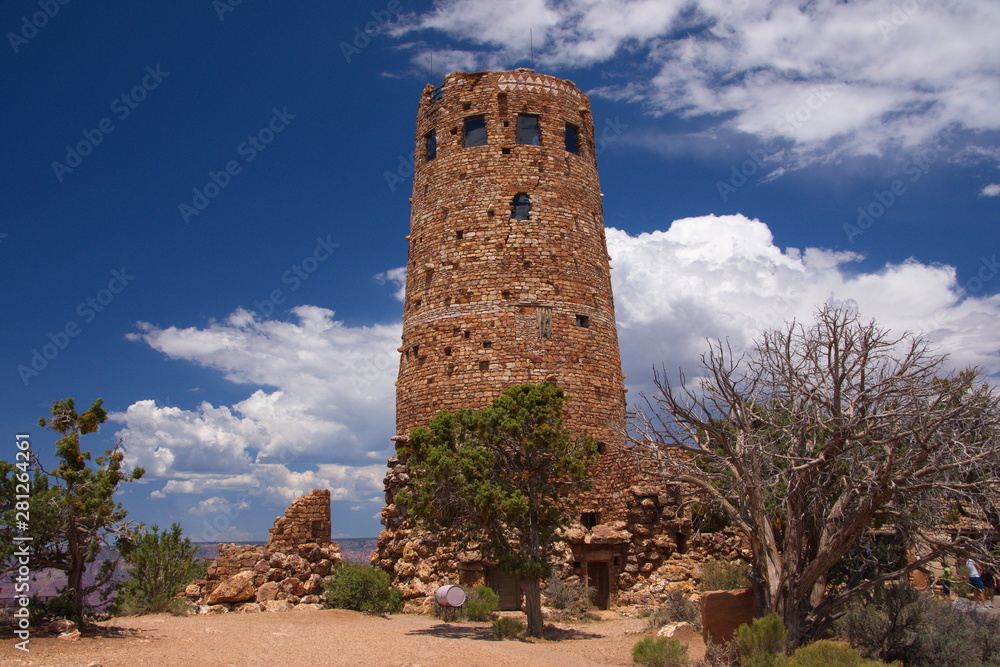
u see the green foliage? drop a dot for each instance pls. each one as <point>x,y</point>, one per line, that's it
<point>73,513</point>
<point>659,652</point>
<point>762,642</point>
<point>361,587</point>
<point>505,627</point>
<point>901,624</point>
<point>721,575</point>
<point>501,477</point>
<point>824,653</point>
<point>161,565</point>
<point>481,603</point>
<point>676,608</point>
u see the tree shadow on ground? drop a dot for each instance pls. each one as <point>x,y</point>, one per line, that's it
<point>485,632</point>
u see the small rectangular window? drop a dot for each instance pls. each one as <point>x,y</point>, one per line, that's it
<point>430,145</point>
<point>572,138</point>
<point>582,321</point>
<point>475,131</point>
<point>590,519</point>
<point>527,130</point>
<point>543,319</point>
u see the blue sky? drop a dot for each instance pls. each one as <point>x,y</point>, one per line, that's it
<point>204,205</point>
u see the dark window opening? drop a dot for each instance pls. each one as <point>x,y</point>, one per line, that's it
<point>577,565</point>
<point>505,151</point>
<point>466,334</point>
<point>475,131</point>
<point>615,561</point>
<point>505,294</point>
<point>447,351</point>
<point>416,350</point>
<point>490,212</point>
<point>466,106</point>
<point>582,321</point>
<point>430,145</point>
<point>502,102</point>
<point>543,321</point>
<point>527,130</point>
<point>681,540</point>
<point>459,233</point>
<point>488,344</point>
<point>590,519</point>
<point>484,365</point>
<point>601,447</point>
<point>572,138</point>
<point>520,207</point>
<point>437,93</point>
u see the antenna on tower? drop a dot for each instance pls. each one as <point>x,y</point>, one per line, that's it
<point>531,46</point>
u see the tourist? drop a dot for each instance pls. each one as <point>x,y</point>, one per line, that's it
<point>975,580</point>
<point>988,583</point>
<point>945,581</point>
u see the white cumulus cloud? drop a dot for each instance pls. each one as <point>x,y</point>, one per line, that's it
<point>817,81</point>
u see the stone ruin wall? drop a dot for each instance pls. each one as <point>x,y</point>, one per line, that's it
<point>288,570</point>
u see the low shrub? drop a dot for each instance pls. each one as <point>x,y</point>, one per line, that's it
<point>160,565</point>
<point>481,604</point>
<point>901,624</point>
<point>825,653</point>
<point>363,588</point>
<point>659,652</point>
<point>721,575</point>
<point>762,642</point>
<point>676,608</point>
<point>505,627</point>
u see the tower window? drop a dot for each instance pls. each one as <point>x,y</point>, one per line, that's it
<point>543,320</point>
<point>430,145</point>
<point>572,138</point>
<point>582,321</point>
<point>590,519</point>
<point>527,130</point>
<point>484,365</point>
<point>520,206</point>
<point>475,131</point>
<point>487,344</point>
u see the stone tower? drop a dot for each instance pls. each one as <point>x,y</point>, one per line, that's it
<point>508,279</point>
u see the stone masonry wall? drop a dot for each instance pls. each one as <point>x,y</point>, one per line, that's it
<point>491,300</point>
<point>288,570</point>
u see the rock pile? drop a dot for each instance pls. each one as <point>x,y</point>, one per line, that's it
<point>287,571</point>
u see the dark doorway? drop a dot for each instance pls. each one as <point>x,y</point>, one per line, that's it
<point>508,588</point>
<point>598,575</point>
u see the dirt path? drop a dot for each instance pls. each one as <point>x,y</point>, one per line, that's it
<point>332,637</point>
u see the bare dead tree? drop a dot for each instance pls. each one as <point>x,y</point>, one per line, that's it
<point>816,439</point>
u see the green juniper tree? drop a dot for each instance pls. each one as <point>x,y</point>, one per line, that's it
<point>501,477</point>
<point>73,511</point>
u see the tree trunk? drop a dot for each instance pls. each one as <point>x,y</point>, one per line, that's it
<point>533,606</point>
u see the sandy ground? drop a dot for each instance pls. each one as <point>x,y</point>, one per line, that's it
<point>334,637</point>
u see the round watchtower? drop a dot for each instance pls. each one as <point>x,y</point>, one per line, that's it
<point>508,278</point>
